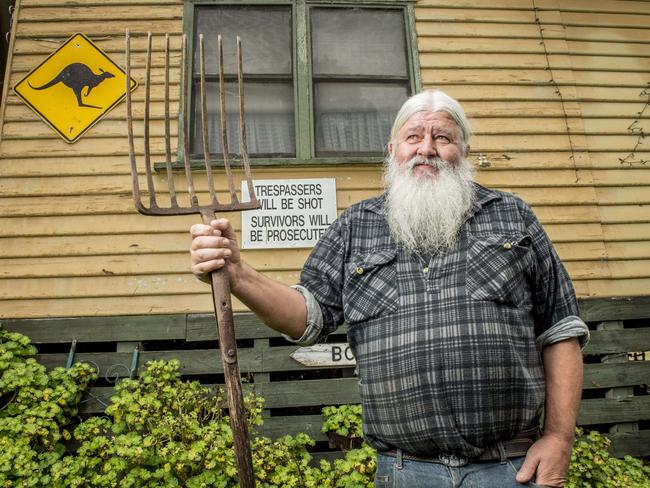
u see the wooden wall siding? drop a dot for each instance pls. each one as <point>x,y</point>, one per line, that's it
<point>72,244</point>
<point>551,87</point>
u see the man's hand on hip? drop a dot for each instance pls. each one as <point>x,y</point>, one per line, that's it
<point>547,462</point>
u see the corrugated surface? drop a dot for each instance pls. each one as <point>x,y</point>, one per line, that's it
<point>551,87</point>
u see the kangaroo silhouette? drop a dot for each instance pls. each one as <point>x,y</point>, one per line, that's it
<point>77,76</point>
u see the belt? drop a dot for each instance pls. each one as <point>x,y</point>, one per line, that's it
<point>516,447</point>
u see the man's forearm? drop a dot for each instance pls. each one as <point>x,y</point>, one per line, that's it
<point>279,306</point>
<point>563,374</point>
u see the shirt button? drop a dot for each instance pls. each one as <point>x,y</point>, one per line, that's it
<point>359,270</point>
<point>507,245</point>
<point>425,270</point>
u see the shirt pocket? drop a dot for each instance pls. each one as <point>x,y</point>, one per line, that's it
<point>498,267</point>
<point>370,286</point>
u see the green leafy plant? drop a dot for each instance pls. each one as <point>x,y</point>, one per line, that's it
<point>168,432</point>
<point>593,467</point>
<point>161,431</point>
<point>344,420</point>
<point>34,408</point>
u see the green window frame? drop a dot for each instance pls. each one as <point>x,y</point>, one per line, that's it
<point>303,79</point>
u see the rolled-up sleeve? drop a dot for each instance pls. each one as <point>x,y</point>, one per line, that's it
<point>314,329</point>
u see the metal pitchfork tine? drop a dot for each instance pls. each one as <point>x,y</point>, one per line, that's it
<point>220,284</point>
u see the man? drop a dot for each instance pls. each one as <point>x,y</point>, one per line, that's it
<point>461,317</point>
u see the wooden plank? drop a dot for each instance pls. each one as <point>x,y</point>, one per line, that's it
<point>603,63</point>
<point>487,29</point>
<point>624,143</point>
<point>584,251</point>
<point>626,232</point>
<point>495,45</point>
<point>74,3</point>
<point>99,329</point>
<point>608,126</point>
<point>115,286</point>
<point>201,327</point>
<point>624,213</point>
<point>628,250</point>
<point>461,74</point>
<point>499,178</point>
<point>113,46</point>
<point>130,265</point>
<point>305,393</point>
<point>577,47</point>
<point>526,125</point>
<point>622,195</point>
<point>635,444</point>
<point>350,178</point>
<point>612,34</point>
<point>612,342</point>
<point>501,61</point>
<point>67,166</point>
<point>110,127</point>
<point>123,204</point>
<point>275,427</point>
<point>477,14</point>
<point>607,20</point>
<point>610,269</point>
<point>619,288</point>
<point>17,111</point>
<point>572,5</point>
<point>92,13</point>
<point>56,28</point>
<point>612,108</point>
<point>536,100</point>
<point>611,375</point>
<point>192,362</point>
<point>27,62</point>
<point>567,214</point>
<point>574,232</point>
<point>82,307</point>
<point>605,410</point>
<point>557,196</point>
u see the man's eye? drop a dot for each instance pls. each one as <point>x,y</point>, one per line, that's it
<point>412,138</point>
<point>442,138</point>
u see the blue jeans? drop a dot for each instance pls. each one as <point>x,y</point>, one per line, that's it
<point>393,472</point>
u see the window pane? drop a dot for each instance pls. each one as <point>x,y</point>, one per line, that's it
<point>358,41</point>
<point>269,119</point>
<point>355,117</point>
<point>265,36</point>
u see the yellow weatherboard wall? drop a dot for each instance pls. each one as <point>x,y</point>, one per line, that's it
<point>71,243</point>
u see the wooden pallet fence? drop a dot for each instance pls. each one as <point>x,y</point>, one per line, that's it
<point>616,399</point>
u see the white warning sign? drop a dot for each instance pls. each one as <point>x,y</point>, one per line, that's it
<point>293,213</point>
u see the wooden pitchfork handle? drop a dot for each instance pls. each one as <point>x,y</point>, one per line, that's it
<point>228,347</point>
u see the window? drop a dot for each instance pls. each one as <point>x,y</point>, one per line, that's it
<point>322,79</point>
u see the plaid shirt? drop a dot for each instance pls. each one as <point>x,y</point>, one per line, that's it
<point>448,351</point>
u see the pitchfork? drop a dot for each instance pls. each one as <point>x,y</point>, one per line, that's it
<point>220,284</point>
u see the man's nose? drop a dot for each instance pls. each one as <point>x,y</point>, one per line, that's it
<point>427,147</point>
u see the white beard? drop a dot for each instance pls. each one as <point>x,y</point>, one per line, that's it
<point>425,213</point>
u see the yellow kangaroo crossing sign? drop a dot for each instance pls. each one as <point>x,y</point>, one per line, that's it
<point>74,87</point>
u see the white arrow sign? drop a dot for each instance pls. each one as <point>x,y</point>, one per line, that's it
<point>325,355</point>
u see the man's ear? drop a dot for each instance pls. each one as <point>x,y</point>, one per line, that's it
<point>389,148</point>
<point>466,150</point>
